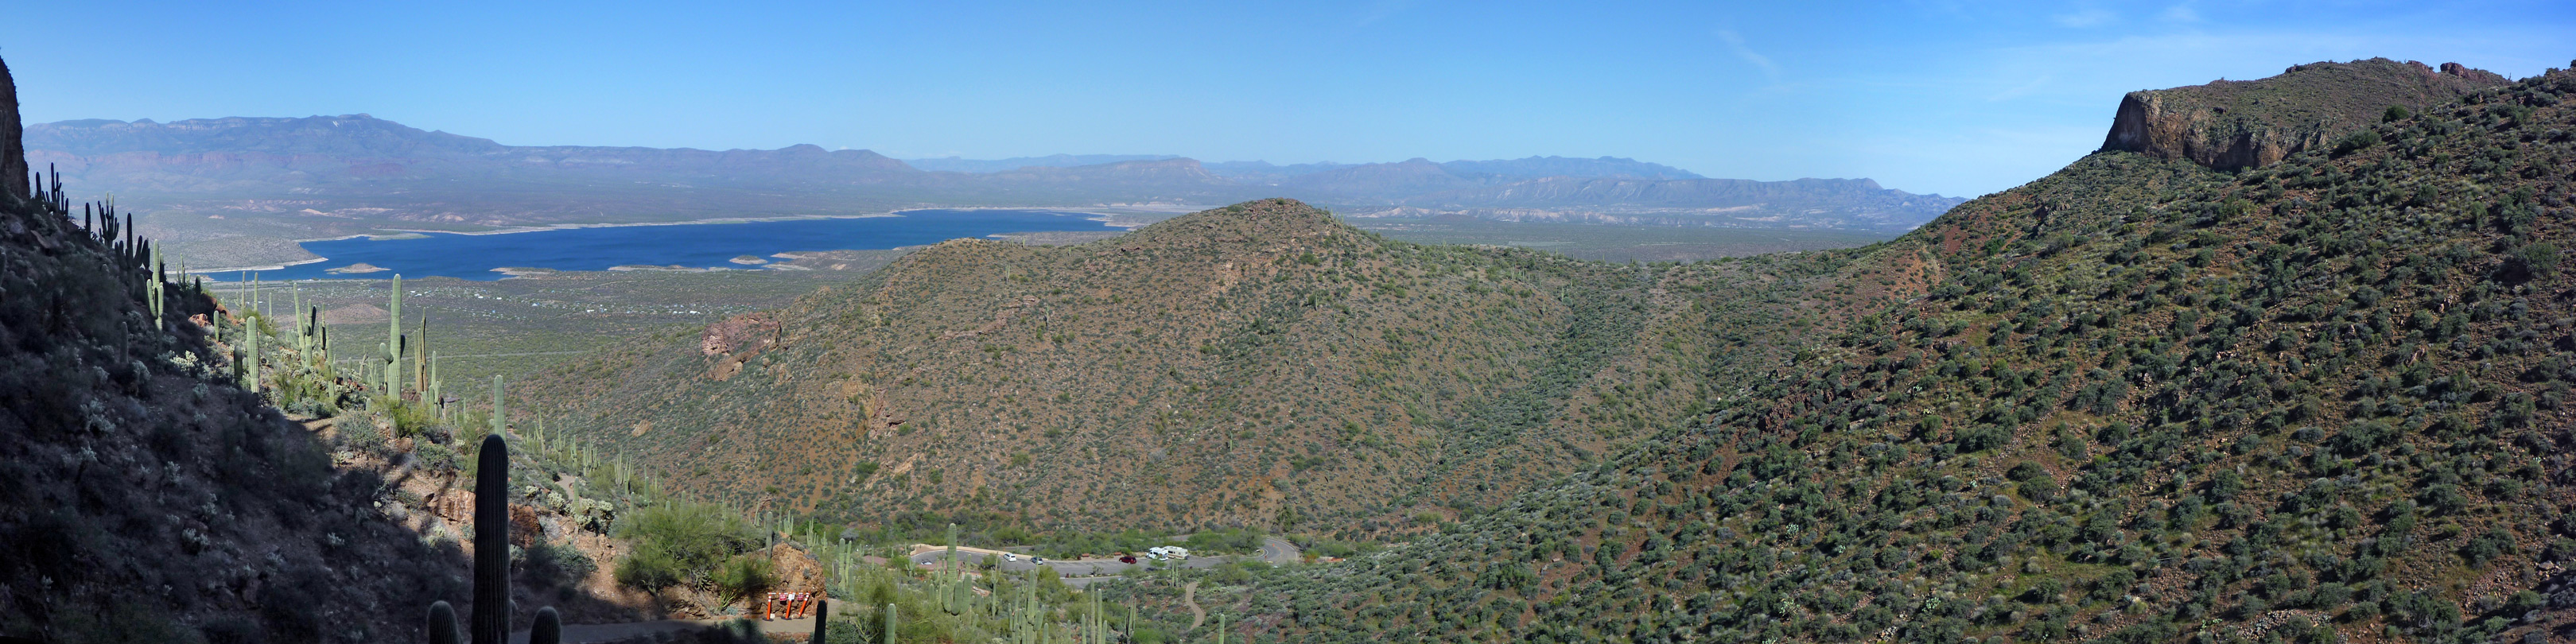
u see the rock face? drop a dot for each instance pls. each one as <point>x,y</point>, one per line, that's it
<point>13,154</point>
<point>2238,124</point>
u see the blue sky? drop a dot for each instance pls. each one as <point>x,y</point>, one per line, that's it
<point>1958,98</point>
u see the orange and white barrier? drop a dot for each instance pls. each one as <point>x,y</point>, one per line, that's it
<point>777,606</point>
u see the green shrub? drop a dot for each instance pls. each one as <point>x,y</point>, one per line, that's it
<point>649,571</point>
<point>547,564</point>
<point>745,577</point>
<point>2486,547</point>
<point>693,537</point>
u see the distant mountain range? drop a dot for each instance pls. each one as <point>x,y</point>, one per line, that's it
<point>1265,172</point>
<point>364,168</point>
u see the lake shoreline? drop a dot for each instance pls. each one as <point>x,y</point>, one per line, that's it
<point>341,251</point>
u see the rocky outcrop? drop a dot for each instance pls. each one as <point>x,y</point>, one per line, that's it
<point>2237,124</point>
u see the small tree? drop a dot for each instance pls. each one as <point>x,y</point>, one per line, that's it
<point>746,577</point>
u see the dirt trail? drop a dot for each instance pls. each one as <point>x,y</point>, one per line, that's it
<point>1189,595</point>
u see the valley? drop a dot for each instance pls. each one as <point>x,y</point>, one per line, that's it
<point>2284,360</point>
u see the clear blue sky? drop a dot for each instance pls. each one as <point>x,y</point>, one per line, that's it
<point>1957,98</point>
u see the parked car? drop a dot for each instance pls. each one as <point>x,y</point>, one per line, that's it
<point>1038,560</point>
<point>1010,556</point>
<point>1127,559</point>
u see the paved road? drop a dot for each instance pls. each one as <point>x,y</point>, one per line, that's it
<point>1076,573</point>
<point>1081,572</point>
<point>590,633</point>
<point>481,355</point>
<point>1279,551</point>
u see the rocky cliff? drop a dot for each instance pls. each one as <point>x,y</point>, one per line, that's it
<point>2238,124</point>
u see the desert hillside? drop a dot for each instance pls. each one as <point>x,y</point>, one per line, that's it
<point>2320,400</point>
<point>1260,364</point>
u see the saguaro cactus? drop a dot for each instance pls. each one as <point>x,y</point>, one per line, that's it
<point>153,285</point>
<point>1026,625</point>
<point>420,360</point>
<point>393,343</point>
<point>889,629</point>
<point>250,353</point>
<point>442,623</point>
<point>822,614</point>
<point>437,387</point>
<point>549,628</point>
<point>492,542</point>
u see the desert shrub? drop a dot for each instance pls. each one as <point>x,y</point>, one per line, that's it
<point>2486,547</point>
<point>2044,592</point>
<point>649,571</point>
<point>547,564</point>
<point>745,577</point>
<point>694,537</point>
<point>436,457</point>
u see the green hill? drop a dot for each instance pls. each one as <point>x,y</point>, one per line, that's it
<point>1257,365</point>
<point>2323,400</point>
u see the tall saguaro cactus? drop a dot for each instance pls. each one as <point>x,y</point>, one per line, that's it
<point>1027,627</point>
<point>437,388</point>
<point>250,351</point>
<point>889,625</point>
<point>822,614</point>
<point>420,360</point>
<point>154,285</point>
<point>393,343</point>
<point>492,541</point>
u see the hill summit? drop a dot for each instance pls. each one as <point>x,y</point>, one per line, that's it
<point>2237,124</point>
<point>1260,364</point>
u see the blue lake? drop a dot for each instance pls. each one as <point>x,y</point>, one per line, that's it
<point>694,245</point>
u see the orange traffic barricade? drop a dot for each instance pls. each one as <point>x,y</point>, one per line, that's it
<point>777,606</point>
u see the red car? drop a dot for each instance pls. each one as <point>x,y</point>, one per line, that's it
<point>1127,559</point>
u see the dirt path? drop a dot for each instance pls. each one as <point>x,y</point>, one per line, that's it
<point>1190,595</point>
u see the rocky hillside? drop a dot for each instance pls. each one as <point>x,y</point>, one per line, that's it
<point>146,497</point>
<point>152,490</point>
<point>2239,124</point>
<point>1259,364</point>
<point>2145,401</point>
